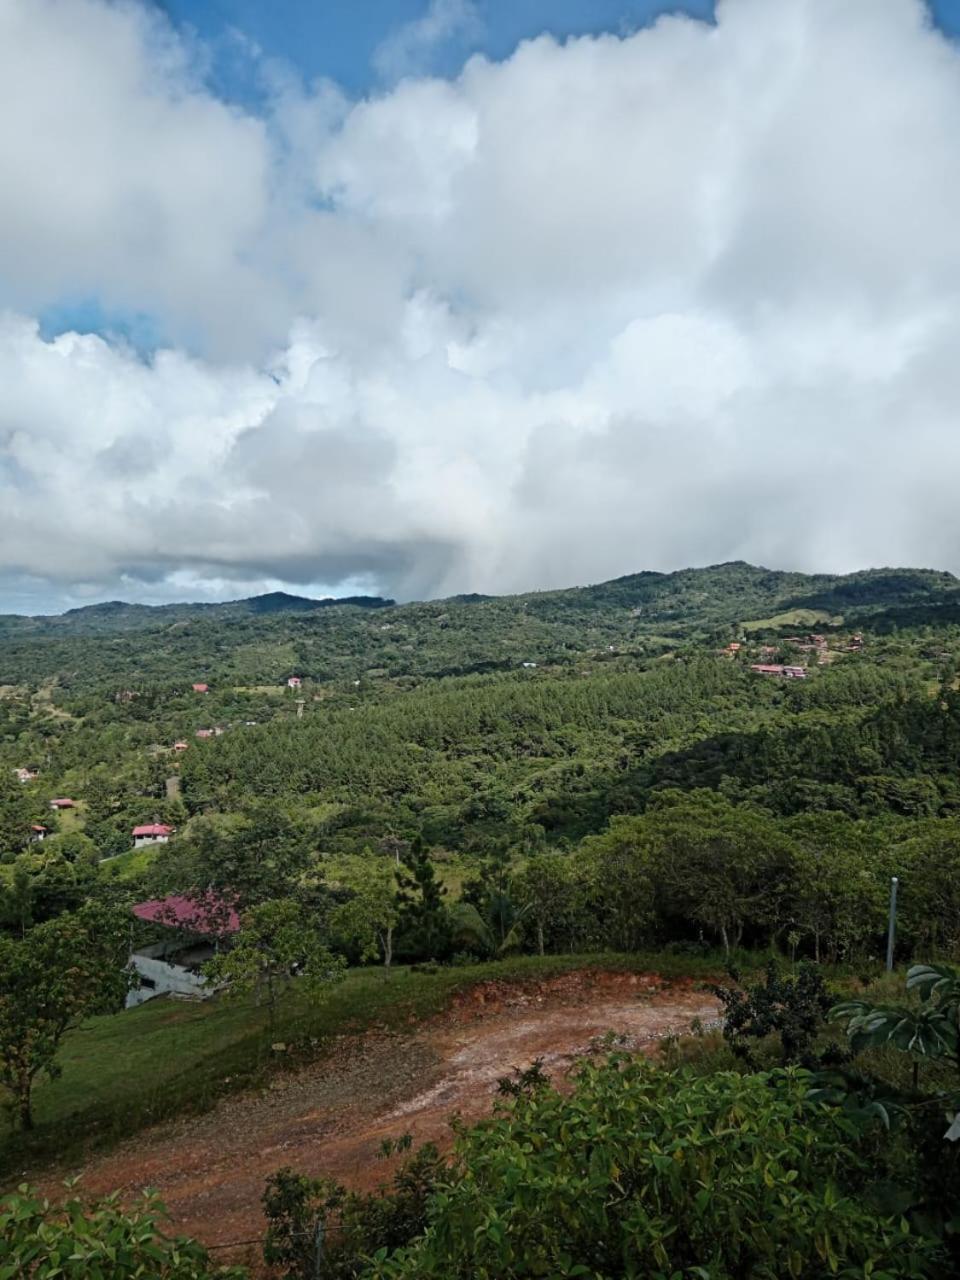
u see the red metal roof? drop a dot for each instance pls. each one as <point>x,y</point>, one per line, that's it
<point>153,829</point>
<point>63,803</point>
<point>207,915</point>
<point>201,688</point>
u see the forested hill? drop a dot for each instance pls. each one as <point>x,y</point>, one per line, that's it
<point>475,723</point>
<point>267,638</point>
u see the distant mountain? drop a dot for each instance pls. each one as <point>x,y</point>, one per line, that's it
<point>119,616</point>
<point>263,639</point>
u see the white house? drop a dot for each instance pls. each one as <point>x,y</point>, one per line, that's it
<point>191,931</point>
<point>151,833</point>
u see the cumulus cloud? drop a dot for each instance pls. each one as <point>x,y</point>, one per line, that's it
<point>616,303</point>
<point>408,50</point>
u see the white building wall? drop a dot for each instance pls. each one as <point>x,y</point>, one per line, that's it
<point>167,979</point>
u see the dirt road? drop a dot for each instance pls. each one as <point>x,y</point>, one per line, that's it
<point>330,1118</point>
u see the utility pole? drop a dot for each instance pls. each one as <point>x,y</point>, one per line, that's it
<point>892,925</point>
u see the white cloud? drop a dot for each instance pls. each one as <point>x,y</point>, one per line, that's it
<point>408,50</point>
<point>612,304</point>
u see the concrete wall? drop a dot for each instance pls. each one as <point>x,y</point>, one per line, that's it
<point>167,978</point>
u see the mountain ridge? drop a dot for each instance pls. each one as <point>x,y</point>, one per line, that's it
<point>642,581</point>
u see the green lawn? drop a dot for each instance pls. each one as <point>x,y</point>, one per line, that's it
<point>793,618</point>
<point>127,1070</point>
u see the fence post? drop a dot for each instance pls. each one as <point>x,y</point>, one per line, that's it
<point>892,925</point>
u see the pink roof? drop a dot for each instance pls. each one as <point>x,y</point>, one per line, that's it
<point>207,915</point>
<point>201,688</point>
<point>37,826</point>
<point>63,803</point>
<point>153,829</point>
<point>767,668</point>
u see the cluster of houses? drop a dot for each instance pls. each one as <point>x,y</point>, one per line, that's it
<point>813,643</point>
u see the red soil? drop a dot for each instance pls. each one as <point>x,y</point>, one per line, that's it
<point>330,1118</point>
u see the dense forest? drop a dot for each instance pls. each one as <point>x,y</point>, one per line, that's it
<point>491,731</point>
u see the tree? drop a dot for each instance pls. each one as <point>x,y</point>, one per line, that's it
<point>724,868</point>
<point>841,889</point>
<point>58,974</point>
<point>370,916</point>
<point>543,886</point>
<point>615,892</point>
<point>76,1240</point>
<point>929,870</point>
<point>489,917</point>
<point>423,920</point>
<point>258,859</point>
<point>15,811</point>
<point>275,944</point>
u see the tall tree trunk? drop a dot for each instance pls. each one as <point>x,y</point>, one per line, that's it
<point>25,1103</point>
<point>540,936</point>
<point>726,940</point>
<point>816,944</point>
<point>387,940</point>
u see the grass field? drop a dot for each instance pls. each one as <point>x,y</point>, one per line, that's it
<point>125,1071</point>
<point>793,618</point>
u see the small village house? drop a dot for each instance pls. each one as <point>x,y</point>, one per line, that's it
<point>294,682</point>
<point>38,832</point>
<point>204,733</point>
<point>28,773</point>
<point>783,671</point>
<point>201,688</point>
<point>178,936</point>
<point>62,803</point>
<point>151,833</point>
<point>180,745</point>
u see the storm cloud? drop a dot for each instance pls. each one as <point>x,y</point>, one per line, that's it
<point>641,301</point>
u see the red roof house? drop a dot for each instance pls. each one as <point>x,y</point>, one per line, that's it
<point>294,682</point>
<point>201,688</point>
<point>778,669</point>
<point>204,733</point>
<point>151,833</point>
<point>208,916</point>
<point>180,746</point>
<point>62,802</point>
<point>196,928</point>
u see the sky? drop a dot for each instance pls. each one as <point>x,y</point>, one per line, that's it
<point>418,297</point>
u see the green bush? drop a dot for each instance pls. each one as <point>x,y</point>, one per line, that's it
<point>652,1175</point>
<point>101,1241</point>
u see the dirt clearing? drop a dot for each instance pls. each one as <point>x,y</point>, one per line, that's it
<point>330,1118</point>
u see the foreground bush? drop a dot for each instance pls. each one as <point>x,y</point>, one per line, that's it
<point>102,1241</point>
<point>643,1173</point>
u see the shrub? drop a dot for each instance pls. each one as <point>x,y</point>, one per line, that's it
<point>648,1174</point>
<point>99,1241</point>
<point>791,1007</point>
